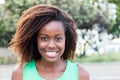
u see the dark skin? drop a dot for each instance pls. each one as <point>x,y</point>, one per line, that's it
<point>51,45</point>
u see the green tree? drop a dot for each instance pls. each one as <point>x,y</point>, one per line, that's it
<point>85,12</point>
<point>9,14</point>
<point>116,29</point>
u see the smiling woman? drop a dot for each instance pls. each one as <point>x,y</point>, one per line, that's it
<point>45,41</point>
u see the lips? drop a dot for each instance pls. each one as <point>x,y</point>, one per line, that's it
<point>51,54</point>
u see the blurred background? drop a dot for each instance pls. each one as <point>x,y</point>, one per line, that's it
<point>98,29</point>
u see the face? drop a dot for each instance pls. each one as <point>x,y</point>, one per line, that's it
<point>51,41</point>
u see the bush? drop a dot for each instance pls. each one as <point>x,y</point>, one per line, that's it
<point>5,37</point>
<point>5,32</point>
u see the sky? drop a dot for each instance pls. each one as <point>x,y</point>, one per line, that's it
<point>2,1</point>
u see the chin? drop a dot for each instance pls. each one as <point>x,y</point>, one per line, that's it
<point>53,60</point>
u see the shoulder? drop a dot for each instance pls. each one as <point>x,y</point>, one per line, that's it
<point>17,72</point>
<point>83,74</point>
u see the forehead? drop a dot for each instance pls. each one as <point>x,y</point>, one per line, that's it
<point>53,27</point>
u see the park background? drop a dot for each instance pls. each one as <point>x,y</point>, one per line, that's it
<point>98,29</point>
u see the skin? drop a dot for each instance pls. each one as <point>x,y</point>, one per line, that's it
<point>51,39</point>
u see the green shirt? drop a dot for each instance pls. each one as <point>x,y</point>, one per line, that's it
<point>70,73</point>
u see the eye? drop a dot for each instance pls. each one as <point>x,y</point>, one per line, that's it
<point>58,39</point>
<point>43,38</point>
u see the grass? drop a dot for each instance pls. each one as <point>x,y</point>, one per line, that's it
<point>8,60</point>
<point>105,57</point>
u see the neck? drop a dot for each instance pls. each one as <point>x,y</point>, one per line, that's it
<point>51,70</point>
<point>50,66</point>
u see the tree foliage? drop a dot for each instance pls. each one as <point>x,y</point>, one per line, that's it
<point>116,29</point>
<point>85,12</point>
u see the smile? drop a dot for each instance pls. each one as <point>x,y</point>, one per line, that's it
<point>51,54</point>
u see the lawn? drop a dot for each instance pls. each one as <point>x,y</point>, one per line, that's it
<point>105,57</point>
<point>8,60</point>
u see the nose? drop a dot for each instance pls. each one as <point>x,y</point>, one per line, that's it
<point>51,44</point>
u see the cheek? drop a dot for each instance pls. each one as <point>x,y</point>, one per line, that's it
<point>40,44</point>
<point>63,45</point>
<point>41,47</point>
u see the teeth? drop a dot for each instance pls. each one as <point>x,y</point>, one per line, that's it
<point>51,54</point>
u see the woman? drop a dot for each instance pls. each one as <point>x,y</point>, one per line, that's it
<point>45,41</point>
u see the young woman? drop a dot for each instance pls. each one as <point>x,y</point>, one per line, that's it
<point>45,41</point>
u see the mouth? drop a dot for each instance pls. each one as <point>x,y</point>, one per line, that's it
<point>51,53</point>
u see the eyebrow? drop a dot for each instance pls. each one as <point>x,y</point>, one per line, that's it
<point>55,35</point>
